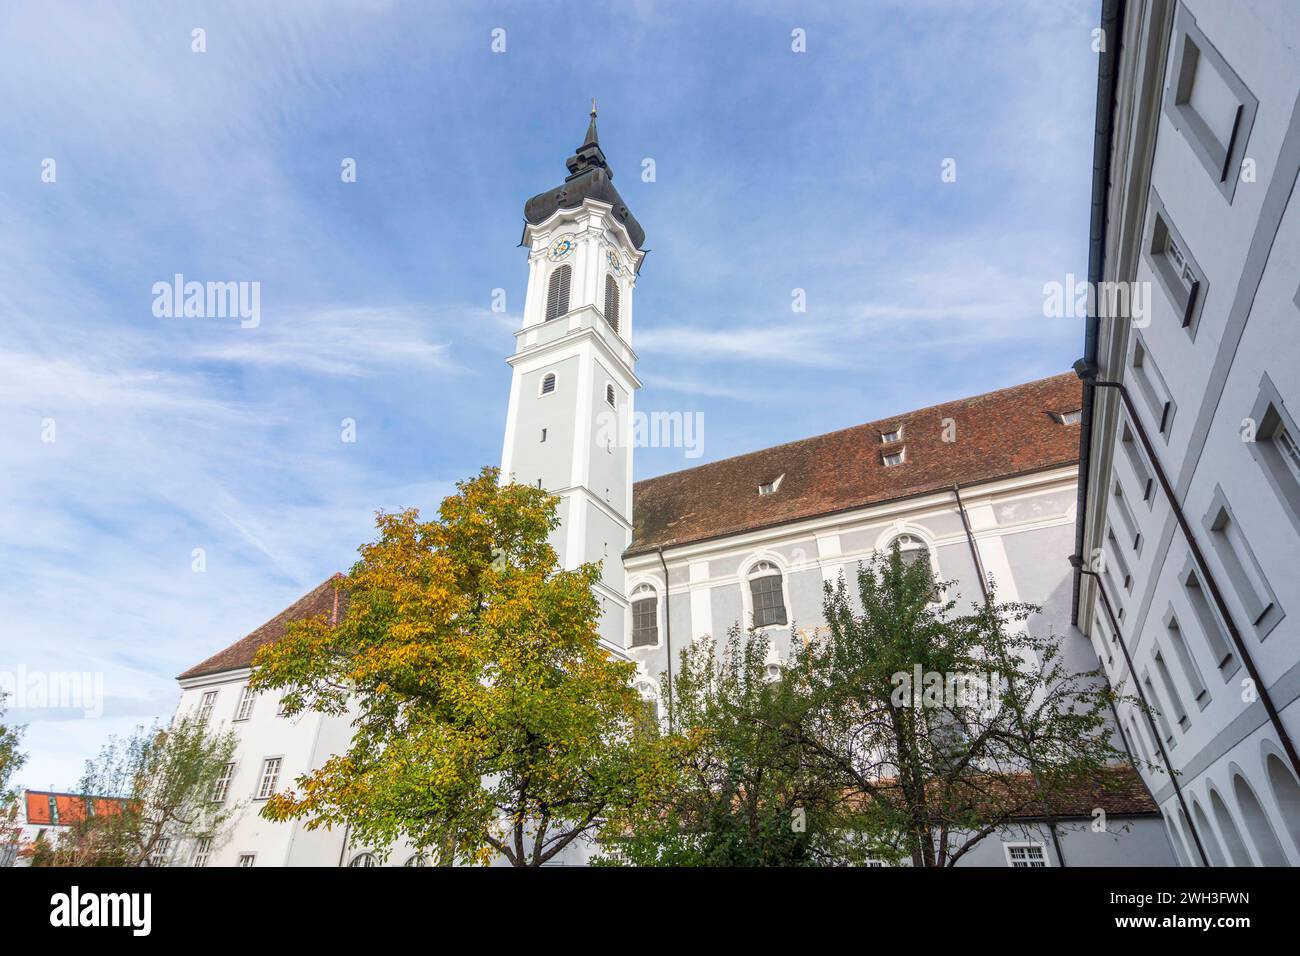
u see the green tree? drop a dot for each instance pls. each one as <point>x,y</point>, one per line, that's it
<point>745,793</point>
<point>489,719</point>
<point>11,760</point>
<point>146,797</point>
<point>995,727</point>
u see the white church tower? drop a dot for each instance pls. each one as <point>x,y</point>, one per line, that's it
<point>574,378</point>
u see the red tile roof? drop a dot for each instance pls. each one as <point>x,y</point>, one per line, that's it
<point>322,599</point>
<point>71,807</point>
<point>997,435</point>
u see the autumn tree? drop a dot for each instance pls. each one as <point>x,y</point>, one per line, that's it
<point>146,797</point>
<point>947,726</point>
<point>488,717</point>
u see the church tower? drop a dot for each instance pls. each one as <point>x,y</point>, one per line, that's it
<point>573,381</point>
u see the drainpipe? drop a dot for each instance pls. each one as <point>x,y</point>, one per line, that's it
<point>1088,372</point>
<point>984,588</point>
<point>1112,19</point>
<point>668,636</point>
<point>1077,562</point>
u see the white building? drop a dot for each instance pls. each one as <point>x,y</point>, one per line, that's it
<point>984,486</point>
<point>1189,526</point>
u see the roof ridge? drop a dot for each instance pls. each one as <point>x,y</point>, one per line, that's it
<point>849,428</point>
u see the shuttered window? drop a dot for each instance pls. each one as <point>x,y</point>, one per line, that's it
<point>557,292</point>
<point>611,302</point>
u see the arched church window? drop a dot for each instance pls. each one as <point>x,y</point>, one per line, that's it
<point>912,549</point>
<point>645,616</point>
<point>611,302</point>
<point>767,594</point>
<point>548,383</point>
<point>364,859</point>
<point>609,396</point>
<point>557,292</point>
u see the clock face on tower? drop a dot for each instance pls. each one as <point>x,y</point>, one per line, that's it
<point>561,246</point>
<point>615,261</point>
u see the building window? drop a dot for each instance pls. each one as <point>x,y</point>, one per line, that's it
<point>1129,444</point>
<point>1166,729</point>
<point>1176,709</point>
<point>645,616</point>
<point>1175,269</point>
<point>221,786</point>
<point>767,594</point>
<point>1151,385</point>
<point>1238,560</point>
<point>557,292</point>
<point>247,859</point>
<point>548,384</point>
<point>892,436</point>
<point>205,706</point>
<point>270,775</point>
<point>364,859</point>
<point>1207,102</point>
<point>1128,523</point>
<point>611,302</point>
<point>1186,662</point>
<point>770,487</point>
<point>1022,855</point>
<point>1069,418</point>
<point>416,859</point>
<point>203,853</point>
<point>1118,562</point>
<point>1211,629</point>
<point>1277,447</point>
<point>161,848</point>
<point>610,398</point>
<point>246,699</point>
<point>892,458</point>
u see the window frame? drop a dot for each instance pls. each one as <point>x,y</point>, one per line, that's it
<point>653,595</point>
<point>899,453</point>
<point>202,851</point>
<point>207,703</point>
<point>761,568</point>
<point>542,390</point>
<point>1263,611</point>
<point>1039,845</point>
<point>1152,387</point>
<point>1188,302</point>
<point>1270,415</point>
<point>250,857</point>
<point>558,292</point>
<point>247,698</point>
<point>615,295</point>
<point>221,786</point>
<point>258,794</point>
<point>1222,162</point>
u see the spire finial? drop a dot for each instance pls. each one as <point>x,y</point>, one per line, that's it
<point>593,106</point>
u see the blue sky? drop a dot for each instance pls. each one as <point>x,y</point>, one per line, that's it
<point>774,171</point>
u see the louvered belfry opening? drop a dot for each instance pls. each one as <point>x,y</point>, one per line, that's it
<point>611,302</point>
<point>557,292</point>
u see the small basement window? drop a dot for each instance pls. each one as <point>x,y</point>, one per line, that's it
<point>892,458</point>
<point>770,487</point>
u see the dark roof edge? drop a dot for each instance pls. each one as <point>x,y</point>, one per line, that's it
<point>1112,17</point>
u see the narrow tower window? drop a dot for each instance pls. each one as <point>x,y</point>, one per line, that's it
<point>548,383</point>
<point>611,302</point>
<point>557,292</point>
<point>609,396</point>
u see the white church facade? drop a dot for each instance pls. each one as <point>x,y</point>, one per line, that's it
<point>982,487</point>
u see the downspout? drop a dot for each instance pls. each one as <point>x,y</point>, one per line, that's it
<point>984,588</point>
<point>1112,16</point>
<point>1146,708</point>
<point>668,636</point>
<point>1087,372</point>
